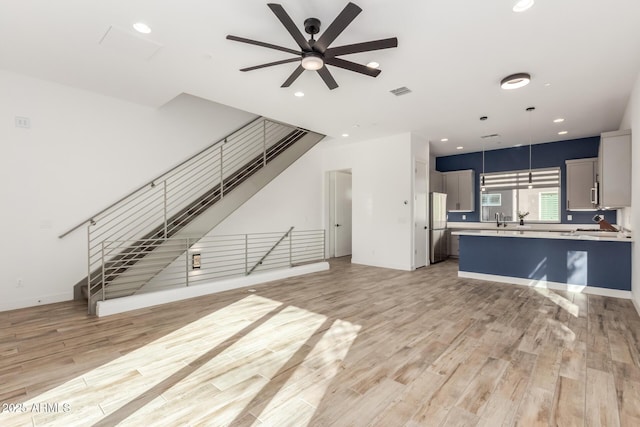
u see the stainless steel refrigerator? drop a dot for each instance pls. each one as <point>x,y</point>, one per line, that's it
<point>438,236</point>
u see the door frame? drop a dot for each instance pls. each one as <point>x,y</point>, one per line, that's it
<point>330,210</point>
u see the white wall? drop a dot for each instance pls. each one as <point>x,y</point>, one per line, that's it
<point>293,198</point>
<point>631,121</point>
<point>83,152</point>
<point>382,182</point>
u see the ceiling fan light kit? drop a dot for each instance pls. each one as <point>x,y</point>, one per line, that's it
<point>312,61</point>
<point>314,54</point>
<point>515,81</point>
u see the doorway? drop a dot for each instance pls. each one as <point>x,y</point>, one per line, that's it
<point>420,198</point>
<point>340,227</point>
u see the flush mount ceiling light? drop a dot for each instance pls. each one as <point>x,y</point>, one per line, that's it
<point>312,61</point>
<point>299,94</point>
<point>444,140</point>
<point>523,5</point>
<point>515,81</point>
<point>345,135</point>
<point>141,27</point>
<point>563,132</point>
<point>459,148</point>
<point>558,120</point>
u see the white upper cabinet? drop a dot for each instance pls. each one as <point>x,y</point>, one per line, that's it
<point>582,176</point>
<point>459,186</point>
<point>436,182</point>
<point>614,159</point>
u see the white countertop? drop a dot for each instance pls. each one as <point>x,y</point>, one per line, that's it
<point>533,234</point>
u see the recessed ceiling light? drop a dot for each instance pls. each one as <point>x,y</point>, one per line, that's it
<point>515,81</point>
<point>141,27</point>
<point>523,5</point>
<point>518,145</point>
<point>563,132</point>
<point>345,135</point>
<point>558,120</point>
<point>547,84</point>
<point>373,64</point>
<point>299,94</point>
<point>459,148</point>
<point>444,139</point>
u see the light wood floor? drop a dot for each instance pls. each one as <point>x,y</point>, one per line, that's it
<point>353,346</point>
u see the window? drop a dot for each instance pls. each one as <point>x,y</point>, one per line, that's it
<point>510,192</point>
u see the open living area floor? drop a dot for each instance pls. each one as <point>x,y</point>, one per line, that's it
<point>353,346</point>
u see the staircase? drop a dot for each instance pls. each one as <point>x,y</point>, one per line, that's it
<point>186,202</point>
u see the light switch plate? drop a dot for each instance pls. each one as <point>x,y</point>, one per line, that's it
<point>569,217</point>
<point>23,122</point>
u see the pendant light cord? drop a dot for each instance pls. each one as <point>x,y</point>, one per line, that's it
<point>530,110</point>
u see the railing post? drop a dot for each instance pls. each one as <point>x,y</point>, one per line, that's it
<point>264,142</point>
<point>246,254</point>
<point>186,263</point>
<point>89,268</point>
<point>290,249</point>
<point>102,256</point>
<point>221,171</point>
<point>165,207</point>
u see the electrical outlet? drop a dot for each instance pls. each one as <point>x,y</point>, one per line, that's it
<point>569,217</point>
<point>23,122</point>
<point>19,283</point>
<point>464,217</point>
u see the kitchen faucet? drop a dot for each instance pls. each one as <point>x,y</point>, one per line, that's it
<point>500,220</point>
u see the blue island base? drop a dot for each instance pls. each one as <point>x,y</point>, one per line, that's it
<point>598,267</point>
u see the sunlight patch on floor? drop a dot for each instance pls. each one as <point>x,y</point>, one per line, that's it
<point>106,388</point>
<point>296,402</point>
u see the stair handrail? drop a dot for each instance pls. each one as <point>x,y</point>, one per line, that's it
<point>284,236</point>
<point>152,182</point>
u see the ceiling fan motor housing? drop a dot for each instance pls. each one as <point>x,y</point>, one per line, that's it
<point>312,26</point>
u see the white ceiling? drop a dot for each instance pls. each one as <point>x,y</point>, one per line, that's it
<point>582,56</point>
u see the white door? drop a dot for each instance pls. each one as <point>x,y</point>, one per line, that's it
<point>342,204</point>
<point>420,198</point>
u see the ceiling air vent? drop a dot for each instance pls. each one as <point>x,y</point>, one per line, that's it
<point>401,91</point>
<point>493,135</point>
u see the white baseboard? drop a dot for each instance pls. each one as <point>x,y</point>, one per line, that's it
<point>355,260</point>
<point>615,293</point>
<point>134,302</point>
<point>34,301</point>
<point>636,304</point>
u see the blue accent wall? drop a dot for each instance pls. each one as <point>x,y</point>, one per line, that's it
<point>581,262</point>
<point>547,155</point>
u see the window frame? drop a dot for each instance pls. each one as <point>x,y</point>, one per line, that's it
<point>516,180</point>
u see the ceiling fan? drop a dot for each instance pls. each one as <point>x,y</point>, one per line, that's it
<point>314,54</point>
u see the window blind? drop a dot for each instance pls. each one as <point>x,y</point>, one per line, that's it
<point>540,178</point>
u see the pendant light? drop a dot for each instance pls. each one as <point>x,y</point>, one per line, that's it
<point>482,187</point>
<point>530,110</point>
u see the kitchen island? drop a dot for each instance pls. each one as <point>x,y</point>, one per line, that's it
<point>591,262</point>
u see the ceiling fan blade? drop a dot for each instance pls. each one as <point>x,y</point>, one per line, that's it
<point>338,25</point>
<point>328,78</point>
<point>361,47</point>
<point>292,78</point>
<point>288,23</point>
<point>257,43</point>
<point>256,67</point>
<point>352,66</point>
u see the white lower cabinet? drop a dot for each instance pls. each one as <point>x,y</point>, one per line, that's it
<point>454,246</point>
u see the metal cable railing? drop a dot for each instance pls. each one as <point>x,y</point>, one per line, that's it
<point>158,210</point>
<point>179,262</point>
